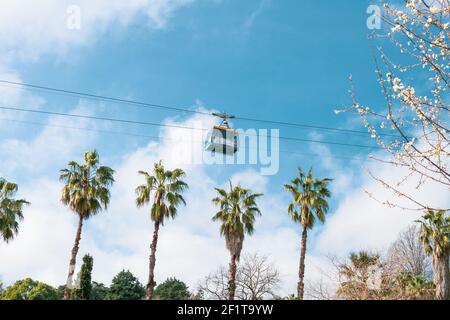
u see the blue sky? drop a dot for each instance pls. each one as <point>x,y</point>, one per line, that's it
<point>287,65</point>
<point>266,59</point>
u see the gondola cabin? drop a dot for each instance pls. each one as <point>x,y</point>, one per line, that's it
<point>223,140</point>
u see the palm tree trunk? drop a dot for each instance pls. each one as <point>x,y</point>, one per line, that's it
<point>151,276</point>
<point>232,278</point>
<point>441,276</point>
<point>73,260</point>
<point>301,269</point>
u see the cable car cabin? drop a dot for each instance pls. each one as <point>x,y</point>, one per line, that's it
<point>222,139</point>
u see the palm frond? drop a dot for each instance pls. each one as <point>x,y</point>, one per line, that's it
<point>237,213</point>
<point>309,198</point>
<point>167,186</point>
<point>86,187</point>
<point>11,210</point>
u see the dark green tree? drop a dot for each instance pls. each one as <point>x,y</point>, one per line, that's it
<point>29,289</point>
<point>125,286</point>
<point>99,291</point>
<point>84,283</point>
<point>60,291</point>
<point>172,289</point>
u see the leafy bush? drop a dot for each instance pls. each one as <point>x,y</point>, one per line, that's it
<point>172,289</point>
<point>125,286</point>
<point>29,289</point>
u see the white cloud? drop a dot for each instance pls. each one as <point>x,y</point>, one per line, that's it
<point>44,237</point>
<point>14,96</point>
<point>189,247</point>
<point>51,147</point>
<point>29,32</point>
<point>8,94</point>
<point>359,221</point>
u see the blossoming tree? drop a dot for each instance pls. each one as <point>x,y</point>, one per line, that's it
<point>413,126</point>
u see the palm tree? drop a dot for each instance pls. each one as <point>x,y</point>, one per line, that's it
<point>86,193</point>
<point>435,238</point>
<point>167,187</point>
<point>10,210</point>
<point>309,204</point>
<point>237,213</point>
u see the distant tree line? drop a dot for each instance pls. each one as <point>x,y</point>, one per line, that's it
<point>86,192</point>
<point>124,286</point>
